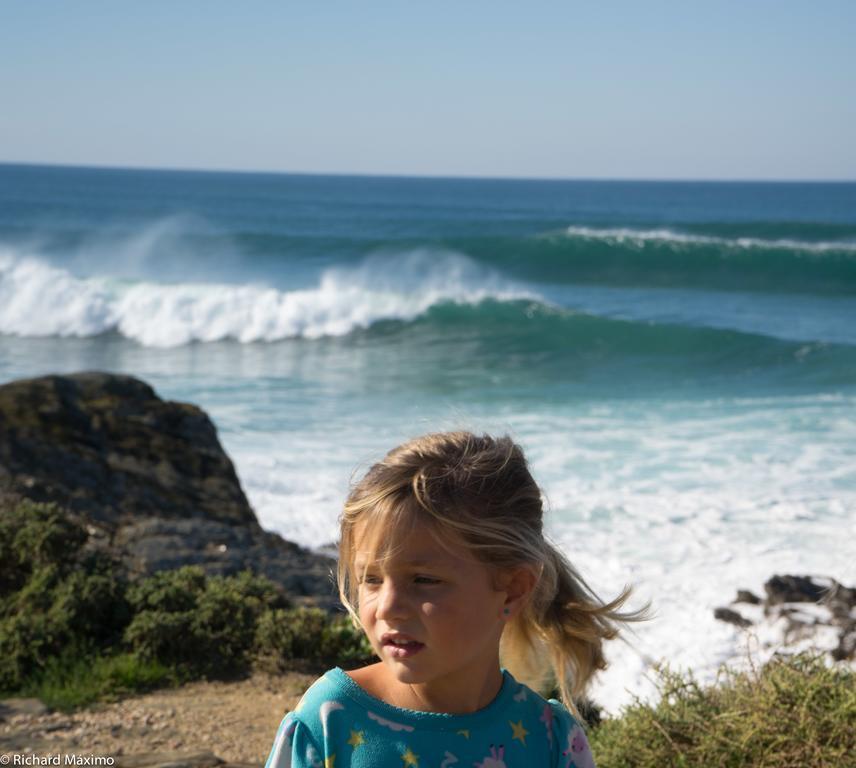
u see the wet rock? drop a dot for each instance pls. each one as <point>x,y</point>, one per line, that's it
<point>794,589</point>
<point>840,599</point>
<point>732,617</point>
<point>745,596</point>
<point>801,611</point>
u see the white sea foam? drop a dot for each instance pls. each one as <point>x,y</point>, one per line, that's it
<point>689,503</point>
<point>37,299</point>
<point>642,237</point>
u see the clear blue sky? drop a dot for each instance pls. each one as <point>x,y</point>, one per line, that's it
<point>759,89</point>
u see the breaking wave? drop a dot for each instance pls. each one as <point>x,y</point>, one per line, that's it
<point>38,299</point>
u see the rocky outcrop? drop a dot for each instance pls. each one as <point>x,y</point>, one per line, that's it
<point>149,477</point>
<point>799,612</point>
<point>108,447</point>
<point>155,544</point>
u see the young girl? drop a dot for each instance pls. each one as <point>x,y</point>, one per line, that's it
<point>444,565</point>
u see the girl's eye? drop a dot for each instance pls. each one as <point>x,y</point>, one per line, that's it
<point>375,580</point>
<point>426,580</point>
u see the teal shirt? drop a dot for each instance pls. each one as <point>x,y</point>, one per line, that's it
<point>337,724</point>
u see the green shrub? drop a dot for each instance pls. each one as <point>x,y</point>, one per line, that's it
<point>73,630</point>
<point>308,638</point>
<point>792,712</point>
<point>34,536</point>
<point>199,624</point>
<point>56,596</point>
<point>169,591</point>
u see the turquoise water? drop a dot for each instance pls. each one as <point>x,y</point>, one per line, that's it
<point>678,359</point>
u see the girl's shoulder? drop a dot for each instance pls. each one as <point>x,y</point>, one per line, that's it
<point>303,732</point>
<point>551,709</point>
<point>572,741</point>
<point>326,694</point>
<point>566,736</point>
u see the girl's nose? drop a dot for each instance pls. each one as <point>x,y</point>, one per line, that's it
<point>391,602</point>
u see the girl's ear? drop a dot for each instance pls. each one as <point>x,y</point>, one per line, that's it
<point>518,584</point>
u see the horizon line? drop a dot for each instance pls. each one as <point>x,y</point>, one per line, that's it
<point>437,177</point>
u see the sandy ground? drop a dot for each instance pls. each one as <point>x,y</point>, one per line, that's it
<point>235,721</point>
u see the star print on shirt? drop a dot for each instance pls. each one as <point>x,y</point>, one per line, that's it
<point>410,759</point>
<point>465,734</point>
<point>356,739</point>
<point>330,762</point>
<point>520,733</point>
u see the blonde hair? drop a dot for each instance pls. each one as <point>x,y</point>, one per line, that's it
<point>478,492</point>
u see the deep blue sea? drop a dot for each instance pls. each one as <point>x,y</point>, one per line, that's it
<point>677,359</point>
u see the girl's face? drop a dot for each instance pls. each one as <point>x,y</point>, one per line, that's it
<point>432,615</point>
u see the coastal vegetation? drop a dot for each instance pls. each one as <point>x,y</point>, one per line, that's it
<point>793,711</point>
<point>75,628</point>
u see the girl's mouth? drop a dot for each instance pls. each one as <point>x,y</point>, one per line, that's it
<point>402,650</point>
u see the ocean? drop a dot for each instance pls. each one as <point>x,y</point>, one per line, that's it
<point>677,359</point>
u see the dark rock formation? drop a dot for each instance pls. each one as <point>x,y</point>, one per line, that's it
<point>149,478</point>
<point>154,544</point>
<point>745,596</point>
<point>108,447</point>
<point>794,589</point>
<point>732,617</point>
<point>801,606</point>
